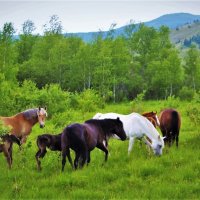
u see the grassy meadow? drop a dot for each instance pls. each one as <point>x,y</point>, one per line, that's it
<point>174,175</point>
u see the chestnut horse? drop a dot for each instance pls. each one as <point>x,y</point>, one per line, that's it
<point>83,138</point>
<point>170,122</point>
<point>6,142</point>
<point>152,117</point>
<point>21,124</point>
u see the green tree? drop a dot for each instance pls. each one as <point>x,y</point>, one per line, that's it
<point>192,68</point>
<point>8,52</point>
<point>26,42</point>
<point>54,26</point>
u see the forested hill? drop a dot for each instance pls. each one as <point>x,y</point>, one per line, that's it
<point>172,21</point>
<point>186,34</point>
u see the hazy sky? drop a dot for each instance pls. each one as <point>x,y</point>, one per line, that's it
<point>85,16</point>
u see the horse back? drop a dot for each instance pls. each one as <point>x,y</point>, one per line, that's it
<point>19,125</point>
<point>170,120</point>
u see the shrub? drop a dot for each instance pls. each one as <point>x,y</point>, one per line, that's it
<point>89,101</point>
<point>56,100</point>
<point>172,102</point>
<point>186,93</point>
<point>136,104</point>
<point>4,129</point>
<point>193,110</point>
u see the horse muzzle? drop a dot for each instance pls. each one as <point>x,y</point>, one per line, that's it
<point>42,125</point>
<point>124,138</point>
<point>158,153</point>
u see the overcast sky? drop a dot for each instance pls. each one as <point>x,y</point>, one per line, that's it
<point>86,16</point>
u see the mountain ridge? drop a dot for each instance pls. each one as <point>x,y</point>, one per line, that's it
<point>173,21</point>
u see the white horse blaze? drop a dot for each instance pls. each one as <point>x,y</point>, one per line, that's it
<point>136,126</point>
<point>158,122</point>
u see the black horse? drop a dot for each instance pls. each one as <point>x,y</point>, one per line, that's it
<point>53,142</point>
<point>6,143</point>
<point>83,138</point>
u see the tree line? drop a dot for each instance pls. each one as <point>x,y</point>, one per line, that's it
<point>117,68</point>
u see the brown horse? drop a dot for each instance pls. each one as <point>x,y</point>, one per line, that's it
<point>83,138</point>
<point>6,142</point>
<point>170,122</point>
<point>21,124</point>
<point>152,117</point>
<point>53,142</point>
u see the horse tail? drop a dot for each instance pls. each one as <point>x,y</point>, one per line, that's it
<point>175,123</point>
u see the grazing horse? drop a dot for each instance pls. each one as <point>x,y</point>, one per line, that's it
<point>6,142</point>
<point>83,138</point>
<point>170,123</point>
<point>152,117</point>
<point>137,126</point>
<point>53,142</point>
<point>21,124</point>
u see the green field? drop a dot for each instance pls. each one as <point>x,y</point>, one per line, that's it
<point>174,175</point>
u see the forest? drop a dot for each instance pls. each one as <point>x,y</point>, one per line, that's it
<point>34,68</point>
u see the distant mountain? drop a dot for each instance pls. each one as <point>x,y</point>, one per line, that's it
<point>173,21</point>
<point>186,34</point>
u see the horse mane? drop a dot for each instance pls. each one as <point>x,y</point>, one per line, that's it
<point>30,113</point>
<point>104,124</point>
<point>148,113</point>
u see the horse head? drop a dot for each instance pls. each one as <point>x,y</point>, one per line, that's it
<point>157,145</point>
<point>42,114</point>
<point>118,129</point>
<point>152,116</point>
<point>155,117</point>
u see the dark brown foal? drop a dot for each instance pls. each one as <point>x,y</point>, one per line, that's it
<point>53,142</point>
<point>6,143</point>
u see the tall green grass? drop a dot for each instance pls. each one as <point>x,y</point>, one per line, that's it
<point>174,175</point>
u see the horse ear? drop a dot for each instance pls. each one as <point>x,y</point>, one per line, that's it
<point>45,108</point>
<point>164,137</point>
<point>118,119</point>
<point>39,108</point>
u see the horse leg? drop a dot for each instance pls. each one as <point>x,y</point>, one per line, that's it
<point>40,154</point>
<point>88,158</point>
<point>8,158</point>
<point>37,155</point>
<point>76,159</point>
<point>10,153</point>
<point>69,157</point>
<point>66,152</point>
<point>23,139</point>
<point>177,141</point>
<point>131,142</point>
<point>148,144</point>
<point>103,148</point>
<point>170,139</point>
<point>84,158</point>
